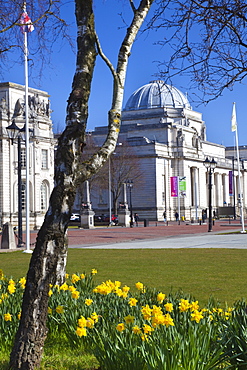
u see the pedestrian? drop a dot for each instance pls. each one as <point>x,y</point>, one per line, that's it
<point>176,216</point>
<point>136,218</point>
<point>164,215</point>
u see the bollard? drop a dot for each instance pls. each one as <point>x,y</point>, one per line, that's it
<point>146,223</point>
<point>8,237</point>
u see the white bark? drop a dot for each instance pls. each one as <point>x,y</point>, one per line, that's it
<point>49,258</point>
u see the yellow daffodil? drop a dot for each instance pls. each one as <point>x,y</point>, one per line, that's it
<point>147,329</point>
<point>147,312</point>
<point>50,293</point>
<point>129,319</point>
<point>90,323</point>
<point>144,337</point>
<point>75,278</point>
<point>168,307</point>
<point>59,309</point>
<point>194,306</point>
<point>22,282</point>
<point>81,332</point>
<point>94,271</point>
<point>88,301</point>
<point>168,320</point>
<point>64,287</point>
<point>120,327</point>
<point>161,297</point>
<point>82,276</point>
<point>196,316</point>
<point>11,288</point>
<point>133,302</point>
<point>184,305</point>
<point>136,330</point>
<point>82,322</point>
<point>227,315</point>
<point>72,288</point>
<point>140,286</point>
<point>117,284</point>
<point>158,320</point>
<point>95,317</point>
<point>7,317</point>
<point>104,288</point>
<point>126,289</point>
<point>156,310</point>
<point>75,294</point>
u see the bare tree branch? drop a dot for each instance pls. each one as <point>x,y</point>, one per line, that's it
<point>209,43</point>
<point>48,260</point>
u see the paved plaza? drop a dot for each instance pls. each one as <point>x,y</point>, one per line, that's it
<point>157,235</point>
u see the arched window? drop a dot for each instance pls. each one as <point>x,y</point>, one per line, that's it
<point>44,196</point>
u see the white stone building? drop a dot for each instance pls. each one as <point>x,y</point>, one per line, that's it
<point>41,154</point>
<point>169,138</point>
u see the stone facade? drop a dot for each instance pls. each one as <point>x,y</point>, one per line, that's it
<point>41,153</point>
<point>169,138</point>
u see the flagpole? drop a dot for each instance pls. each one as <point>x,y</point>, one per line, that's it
<point>28,250</point>
<point>235,128</point>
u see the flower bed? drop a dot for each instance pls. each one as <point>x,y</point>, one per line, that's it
<point>140,330</point>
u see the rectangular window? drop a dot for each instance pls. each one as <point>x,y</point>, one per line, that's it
<point>44,163</point>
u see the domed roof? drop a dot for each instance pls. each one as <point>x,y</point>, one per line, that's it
<point>157,94</point>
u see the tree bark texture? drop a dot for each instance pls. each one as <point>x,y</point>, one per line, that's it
<point>48,261</point>
<point>51,244</point>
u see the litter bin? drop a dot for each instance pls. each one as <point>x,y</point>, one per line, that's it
<point>146,223</point>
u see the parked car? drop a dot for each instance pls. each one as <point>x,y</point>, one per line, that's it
<point>75,217</point>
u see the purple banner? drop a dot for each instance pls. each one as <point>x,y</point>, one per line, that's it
<point>230,183</point>
<point>174,186</point>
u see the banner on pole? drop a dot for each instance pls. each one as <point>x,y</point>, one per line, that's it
<point>174,186</point>
<point>182,186</point>
<point>178,186</point>
<point>230,183</point>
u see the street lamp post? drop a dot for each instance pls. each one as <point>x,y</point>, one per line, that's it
<point>210,167</point>
<point>13,133</point>
<point>129,184</point>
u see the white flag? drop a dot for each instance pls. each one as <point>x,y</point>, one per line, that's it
<point>234,118</point>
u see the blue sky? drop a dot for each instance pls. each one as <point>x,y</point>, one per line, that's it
<point>57,78</point>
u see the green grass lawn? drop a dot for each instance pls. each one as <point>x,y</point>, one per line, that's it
<point>220,273</point>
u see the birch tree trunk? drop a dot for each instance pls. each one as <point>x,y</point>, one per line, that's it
<point>48,261</point>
